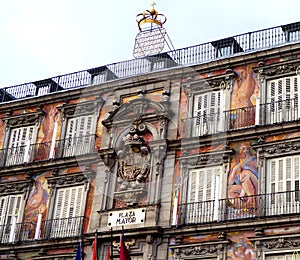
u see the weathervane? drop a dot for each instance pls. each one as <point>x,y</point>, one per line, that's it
<point>151,39</point>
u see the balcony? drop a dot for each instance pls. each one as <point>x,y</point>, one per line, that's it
<point>49,229</point>
<point>46,151</point>
<point>241,118</point>
<point>254,207</point>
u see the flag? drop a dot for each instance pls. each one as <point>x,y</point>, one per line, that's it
<point>95,251</point>
<point>124,254</point>
<point>78,253</point>
<point>108,253</point>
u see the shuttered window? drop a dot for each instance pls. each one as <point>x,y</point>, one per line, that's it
<point>19,145</point>
<point>284,174</point>
<point>282,99</point>
<point>290,256</point>
<point>203,195</point>
<point>79,138</point>
<point>10,214</point>
<point>68,212</point>
<point>283,185</point>
<point>202,184</point>
<point>10,206</point>
<point>207,113</point>
<point>69,202</point>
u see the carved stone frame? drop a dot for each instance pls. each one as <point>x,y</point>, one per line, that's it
<point>190,162</point>
<point>79,109</point>
<point>57,181</point>
<point>118,126</point>
<point>21,120</point>
<point>273,71</point>
<point>272,245</point>
<point>270,150</point>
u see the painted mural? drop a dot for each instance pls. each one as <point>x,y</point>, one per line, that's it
<point>245,91</point>
<point>38,200</point>
<point>241,248</point>
<point>243,178</point>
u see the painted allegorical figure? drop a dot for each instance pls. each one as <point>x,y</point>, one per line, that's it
<point>244,94</point>
<point>243,178</point>
<point>37,202</point>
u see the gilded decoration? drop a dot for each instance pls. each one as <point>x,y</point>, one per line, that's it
<point>133,165</point>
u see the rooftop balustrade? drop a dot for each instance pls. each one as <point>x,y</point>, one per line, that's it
<point>235,45</point>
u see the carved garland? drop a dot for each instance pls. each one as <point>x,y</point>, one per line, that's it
<point>23,119</point>
<point>15,187</point>
<point>90,107</point>
<point>194,250</point>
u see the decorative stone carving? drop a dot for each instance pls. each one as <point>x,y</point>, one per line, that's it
<point>282,243</point>
<point>69,179</point>
<point>89,107</point>
<point>23,119</point>
<point>283,147</point>
<point>15,187</point>
<point>213,249</point>
<point>133,165</point>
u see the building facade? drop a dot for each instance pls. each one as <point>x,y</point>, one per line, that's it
<point>192,154</point>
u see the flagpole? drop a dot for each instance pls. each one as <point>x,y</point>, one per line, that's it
<point>111,244</point>
<point>97,245</point>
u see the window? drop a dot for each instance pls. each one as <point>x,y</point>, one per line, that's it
<point>10,214</point>
<point>203,195</point>
<point>288,256</point>
<point>207,113</point>
<point>68,212</point>
<point>282,100</point>
<point>19,148</point>
<point>283,185</point>
<point>79,139</point>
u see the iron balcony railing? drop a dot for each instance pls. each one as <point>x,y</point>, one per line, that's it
<point>45,151</point>
<point>222,210</point>
<point>279,111</point>
<point>49,229</point>
<point>243,43</point>
<point>265,114</point>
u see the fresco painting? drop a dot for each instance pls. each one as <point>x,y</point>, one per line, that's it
<point>245,91</point>
<point>241,248</point>
<point>243,178</point>
<point>38,200</point>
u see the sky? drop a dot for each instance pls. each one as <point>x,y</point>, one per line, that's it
<point>40,39</point>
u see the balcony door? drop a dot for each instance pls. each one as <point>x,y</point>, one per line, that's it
<point>78,138</point>
<point>282,100</point>
<point>68,212</point>
<point>207,113</point>
<point>18,150</point>
<point>203,195</point>
<point>10,215</point>
<point>283,185</point>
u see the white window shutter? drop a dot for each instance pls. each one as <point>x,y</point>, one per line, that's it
<point>69,202</point>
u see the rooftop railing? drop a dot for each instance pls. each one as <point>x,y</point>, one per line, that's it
<point>248,42</point>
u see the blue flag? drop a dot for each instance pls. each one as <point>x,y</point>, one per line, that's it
<point>78,253</point>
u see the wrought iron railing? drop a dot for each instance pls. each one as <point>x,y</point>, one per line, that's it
<point>265,114</point>
<point>10,233</point>
<point>49,229</point>
<point>45,151</point>
<point>75,146</point>
<point>279,111</point>
<point>62,228</point>
<point>259,206</point>
<point>248,42</point>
